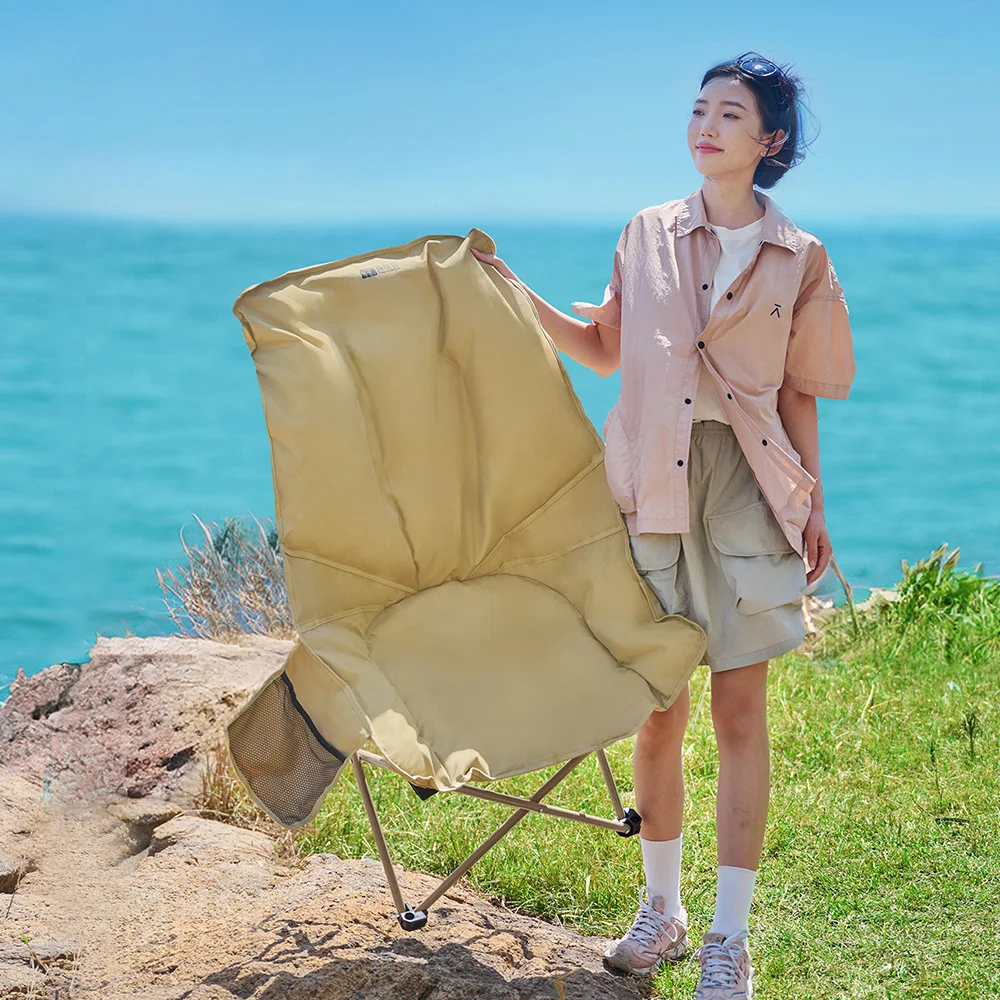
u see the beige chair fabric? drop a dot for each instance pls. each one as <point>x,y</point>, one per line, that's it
<point>458,571</point>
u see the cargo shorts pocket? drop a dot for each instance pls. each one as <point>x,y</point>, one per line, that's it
<point>762,568</point>
<point>656,557</point>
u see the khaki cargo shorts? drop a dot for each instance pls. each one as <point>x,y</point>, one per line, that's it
<point>734,572</point>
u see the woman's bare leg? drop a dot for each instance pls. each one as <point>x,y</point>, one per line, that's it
<point>658,771</point>
<point>739,714</point>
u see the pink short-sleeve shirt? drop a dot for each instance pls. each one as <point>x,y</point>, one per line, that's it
<point>784,319</point>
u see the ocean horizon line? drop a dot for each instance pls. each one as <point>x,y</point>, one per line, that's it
<point>440,223</point>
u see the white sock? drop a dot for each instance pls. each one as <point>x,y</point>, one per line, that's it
<point>661,860</point>
<point>732,899</point>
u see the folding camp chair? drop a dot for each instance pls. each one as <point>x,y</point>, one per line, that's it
<point>458,571</point>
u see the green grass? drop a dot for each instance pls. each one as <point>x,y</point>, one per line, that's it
<point>880,875</point>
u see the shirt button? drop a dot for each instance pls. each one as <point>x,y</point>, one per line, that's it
<point>687,400</point>
<point>704,287</point>
<point>680,461</point>
<point>701,343</point>
<point>763,441</point>
<point>729,394</point>
<point>729,295</point>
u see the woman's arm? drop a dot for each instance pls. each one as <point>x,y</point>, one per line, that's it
<point>797,411</point>
<point>587,343</point>
<point>591,344</point>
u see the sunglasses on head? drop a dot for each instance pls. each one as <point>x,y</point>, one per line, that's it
<point>756,66</point>
<point>764,68</point>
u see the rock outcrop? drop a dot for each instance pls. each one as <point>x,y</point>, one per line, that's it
<point>113,887</point>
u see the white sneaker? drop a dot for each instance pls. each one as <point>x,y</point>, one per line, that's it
<point>726,970</point>
<point>651,940</point>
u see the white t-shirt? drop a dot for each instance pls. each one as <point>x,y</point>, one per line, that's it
<point>738,248</point>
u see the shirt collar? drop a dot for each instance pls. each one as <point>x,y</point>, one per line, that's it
<point>777,228</point>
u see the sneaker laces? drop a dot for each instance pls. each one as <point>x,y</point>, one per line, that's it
<point>648,922</point>
<point>720,967</point>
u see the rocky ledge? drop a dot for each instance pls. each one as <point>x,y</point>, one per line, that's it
<point>113,886</point>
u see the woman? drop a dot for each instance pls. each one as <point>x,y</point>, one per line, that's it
<point>727,321</point>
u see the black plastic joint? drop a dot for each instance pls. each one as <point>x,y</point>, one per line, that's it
<point>633,821</point>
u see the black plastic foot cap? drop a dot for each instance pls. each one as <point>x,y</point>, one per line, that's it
<point>412,920</point>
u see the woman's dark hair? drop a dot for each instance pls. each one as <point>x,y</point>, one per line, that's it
<point>779,100</point>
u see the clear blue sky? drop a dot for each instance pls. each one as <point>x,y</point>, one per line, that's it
<point>523,111</point>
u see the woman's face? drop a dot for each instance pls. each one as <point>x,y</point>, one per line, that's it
<point>725,118</point>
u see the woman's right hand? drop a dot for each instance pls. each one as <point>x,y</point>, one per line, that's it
<point>495,261</point>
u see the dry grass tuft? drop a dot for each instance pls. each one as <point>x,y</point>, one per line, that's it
<point>234,583</point>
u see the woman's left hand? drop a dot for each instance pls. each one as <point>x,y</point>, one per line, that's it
<point>817,542</point>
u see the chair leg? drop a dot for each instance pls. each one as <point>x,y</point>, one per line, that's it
<point>409,919</point>
<point>629,817</point>
<point>499,833</point>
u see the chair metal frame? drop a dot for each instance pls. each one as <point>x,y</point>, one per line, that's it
<point>626,823</point>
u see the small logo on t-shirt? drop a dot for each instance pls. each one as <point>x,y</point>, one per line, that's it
<point>776,311</point>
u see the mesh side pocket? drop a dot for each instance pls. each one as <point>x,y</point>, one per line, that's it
<point>280,755</point>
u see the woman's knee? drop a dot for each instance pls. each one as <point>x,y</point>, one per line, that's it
<point>669,724</point>
<point>739,705</point>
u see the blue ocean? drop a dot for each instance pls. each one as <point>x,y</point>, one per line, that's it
<point>129,402</point>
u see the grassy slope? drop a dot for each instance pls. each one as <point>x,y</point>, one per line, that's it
<point>880,875</point>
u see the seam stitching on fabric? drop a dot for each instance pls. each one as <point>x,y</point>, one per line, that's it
<point>352,613</point>
<point>532,560</point>
<point>596,463</point>
<point>352,570</point>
